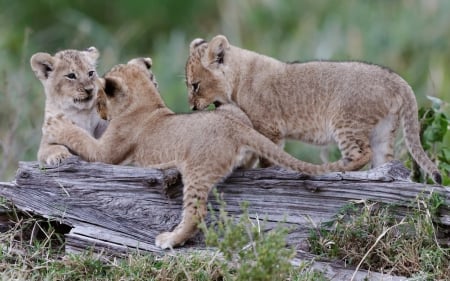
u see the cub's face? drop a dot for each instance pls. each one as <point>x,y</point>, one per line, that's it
<point>69,78</point>
<point>126,85</point>
<point>208,76</point>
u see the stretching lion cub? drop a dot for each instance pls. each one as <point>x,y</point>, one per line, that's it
<point>70,83</point>
<point>357,105</point>
<point>205,146</point>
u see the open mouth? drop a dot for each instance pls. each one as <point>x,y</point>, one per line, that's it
<point>217,104</point>
<point>86,99</point>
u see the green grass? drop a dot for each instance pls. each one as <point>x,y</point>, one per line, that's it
<point>369,236</point>
<point>254,253</point>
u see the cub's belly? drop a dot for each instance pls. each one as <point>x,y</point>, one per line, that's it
<point>312,136</point>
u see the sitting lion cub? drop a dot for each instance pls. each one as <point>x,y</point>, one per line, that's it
<point>70,83</point>
<point>358,106</point>
<point>205,146</point>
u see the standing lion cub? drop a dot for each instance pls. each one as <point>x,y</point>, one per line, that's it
<point>204,146</point>
<point>70,83</point>
<point>357,105</point>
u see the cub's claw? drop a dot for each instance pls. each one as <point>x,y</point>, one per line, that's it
<point>57,158</point>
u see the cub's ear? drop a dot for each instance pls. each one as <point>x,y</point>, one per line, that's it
<point>112,86</point>
<point>102,109</point>
<point>92,53</point>
<point>42,64</point>
<point>100,82</point>
<point>146,62</point>
<point>217,48</point>
<point>195,43</point>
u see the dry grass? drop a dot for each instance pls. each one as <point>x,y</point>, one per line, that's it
<point>367,235</point>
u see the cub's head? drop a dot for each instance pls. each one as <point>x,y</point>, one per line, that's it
<point>69,78</point>
<point>126,87</point>
<point>209,76</point>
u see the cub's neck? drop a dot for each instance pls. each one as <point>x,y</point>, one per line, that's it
<point>253,70</point>
<point>147,106</point>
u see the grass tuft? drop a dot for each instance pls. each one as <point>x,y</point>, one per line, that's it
<point>250,252</point>
<point>367,235</point>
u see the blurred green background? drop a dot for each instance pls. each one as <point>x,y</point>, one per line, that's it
<point>411,36</point>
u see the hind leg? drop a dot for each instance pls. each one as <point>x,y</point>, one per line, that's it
<point>383,150</point>
<point>355,149</point>
<point>382,141</point>
<point>197,185</point>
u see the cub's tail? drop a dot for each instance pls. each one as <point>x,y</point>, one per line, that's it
<point>267,149</point>
<point>411,131</point>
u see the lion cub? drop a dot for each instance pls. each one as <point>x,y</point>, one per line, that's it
<point>357,105</point>
<point>70,83</point>
<point>204,146</point>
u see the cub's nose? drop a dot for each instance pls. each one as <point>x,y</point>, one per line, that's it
<point>194,108</point>
<point>89,90</point>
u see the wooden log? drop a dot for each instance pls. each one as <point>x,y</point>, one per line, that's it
<point>117,209</point>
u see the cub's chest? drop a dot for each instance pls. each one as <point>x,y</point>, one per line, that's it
<point>85,120</point>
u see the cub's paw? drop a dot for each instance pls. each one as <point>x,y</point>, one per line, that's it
<point>59,155</point>
<point>167,240</point>
<point>55,127</point>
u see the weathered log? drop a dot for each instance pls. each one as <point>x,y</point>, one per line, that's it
<point>117,209</point>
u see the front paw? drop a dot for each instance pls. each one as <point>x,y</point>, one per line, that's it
<point>168,240</point>
<point>58,157</point>
<point>55,127</point>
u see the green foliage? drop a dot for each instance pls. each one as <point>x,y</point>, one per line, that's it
<point>435,202</point>
<point>367,234</point>
<point>434,127</point>
<point>434,124</point>
<point>251,252</point>
<point>408,36</point>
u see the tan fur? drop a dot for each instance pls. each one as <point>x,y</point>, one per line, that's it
<point>204,146</point>
<point>70,83</point>
<point>357,105</point>
<point>101,103</point>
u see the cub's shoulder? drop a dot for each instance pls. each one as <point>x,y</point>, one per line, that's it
<point>235,113</point>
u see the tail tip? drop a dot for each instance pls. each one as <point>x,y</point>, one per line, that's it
<point>437,177</point>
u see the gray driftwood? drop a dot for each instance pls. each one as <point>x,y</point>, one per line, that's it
<point>118,209</point>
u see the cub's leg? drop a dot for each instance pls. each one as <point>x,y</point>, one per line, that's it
<point>107,149</point>
<point>197,185</point>
<point>52,154</point>
<point>382,140</point>
<point>249,160</point>
<point>265,163</point>
<point>163,166</point>
<point>355,149</point>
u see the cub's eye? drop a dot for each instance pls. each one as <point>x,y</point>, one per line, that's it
<point>195,87</point>
<point>91,73</point>
<point>71,76</point>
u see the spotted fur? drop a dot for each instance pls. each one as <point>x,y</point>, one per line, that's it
<point>357,105</point>
<point>205,146</point>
